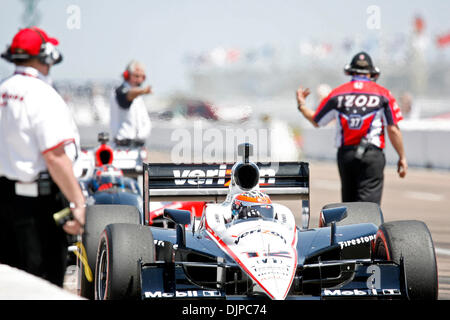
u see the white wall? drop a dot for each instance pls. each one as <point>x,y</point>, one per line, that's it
<point>427,144</point>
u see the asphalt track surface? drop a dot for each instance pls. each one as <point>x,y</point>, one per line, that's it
<point>422,195</point>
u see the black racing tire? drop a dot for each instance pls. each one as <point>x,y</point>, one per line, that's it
<point>411,240</point>
<point>357,212</point>
<point>97,218</point>
<point>117,272</point>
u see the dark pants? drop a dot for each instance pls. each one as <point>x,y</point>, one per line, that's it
<point>29,237</point>
<point>361,180</point>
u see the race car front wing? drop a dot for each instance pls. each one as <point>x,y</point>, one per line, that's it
<point>358,279</point>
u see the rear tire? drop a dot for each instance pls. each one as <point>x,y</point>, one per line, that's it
<point>117,272</point>
<point>357,212</point>
<point>411,240</point>
<point>97,218</point>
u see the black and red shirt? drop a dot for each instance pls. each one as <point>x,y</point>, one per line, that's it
<point>362,108</point>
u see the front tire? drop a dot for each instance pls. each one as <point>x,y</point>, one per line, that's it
<point>97,218</point>
<point>117,272</point>
<point>410,240</point>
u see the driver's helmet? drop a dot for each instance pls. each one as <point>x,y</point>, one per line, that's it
<point>106,177</point>
<point>252,204</point>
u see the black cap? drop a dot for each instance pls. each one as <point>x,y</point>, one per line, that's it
<point>361,63</point>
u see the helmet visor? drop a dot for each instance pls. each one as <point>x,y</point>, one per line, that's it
<point>256,211</point>
<point>265,211</point>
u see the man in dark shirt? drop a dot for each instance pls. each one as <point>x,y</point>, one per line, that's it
<point>362,110</point>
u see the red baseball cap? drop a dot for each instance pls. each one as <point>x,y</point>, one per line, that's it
<point>30,41</point>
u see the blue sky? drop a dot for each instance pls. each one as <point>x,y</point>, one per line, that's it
<point>160,33</point>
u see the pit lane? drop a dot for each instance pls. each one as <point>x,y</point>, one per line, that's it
<point>423,195</point>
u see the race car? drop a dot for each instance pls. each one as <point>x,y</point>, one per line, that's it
<point>128,159</point>
<point>247,245</point>
<point>109,178</point>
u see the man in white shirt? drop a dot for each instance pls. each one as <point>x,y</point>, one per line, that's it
<point>36,132</point>
<point>130,123</point>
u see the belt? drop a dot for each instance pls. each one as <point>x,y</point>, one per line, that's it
<point>18,188</point>
<point>355,146</point>
<point>41,187</point>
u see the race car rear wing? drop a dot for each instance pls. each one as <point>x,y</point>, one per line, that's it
<point>129,160</point>
<point>210,182</point>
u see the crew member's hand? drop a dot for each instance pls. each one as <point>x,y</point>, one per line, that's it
<point>147,90</point>
<point>76,225</point>
<point>135,92</point>
<point>301,95</point>
<point>402,167</point>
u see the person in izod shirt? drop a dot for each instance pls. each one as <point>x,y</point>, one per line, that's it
<point>362,110</point>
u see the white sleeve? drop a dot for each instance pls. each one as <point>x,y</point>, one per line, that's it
<point>144,124</point>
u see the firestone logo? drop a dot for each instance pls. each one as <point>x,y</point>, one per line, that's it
<point>357,241</point>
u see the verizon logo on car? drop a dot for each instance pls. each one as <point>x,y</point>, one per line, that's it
<point>200,176</point>
<point>220,176</point>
